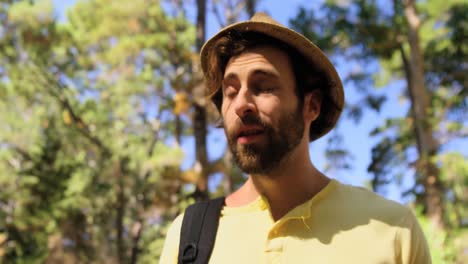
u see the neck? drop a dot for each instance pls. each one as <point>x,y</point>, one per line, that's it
<point>292,183</point>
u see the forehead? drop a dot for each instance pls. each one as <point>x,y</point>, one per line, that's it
<point>268,58</point>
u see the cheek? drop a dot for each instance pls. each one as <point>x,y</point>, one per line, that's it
<point>228,117</point>
<point>270,110</point>
<point>226,104</point>
<point>226,114</point>
<point>223,109</point>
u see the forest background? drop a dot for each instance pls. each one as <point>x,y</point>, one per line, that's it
<point>106,134</point>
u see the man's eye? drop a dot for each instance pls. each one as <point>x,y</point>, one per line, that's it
<point>229,91</point>
<point>265,88</point>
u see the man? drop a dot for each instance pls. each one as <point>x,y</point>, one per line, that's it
<point>276,91</point>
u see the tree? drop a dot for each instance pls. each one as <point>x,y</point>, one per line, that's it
<point>424,45</point>
<point>202,112</point>
<point>86,120</point>
<point>420,105</point>
<point>200,119</point>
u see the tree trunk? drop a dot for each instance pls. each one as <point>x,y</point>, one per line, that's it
<point>120,208</point>
<point>420,104</point>
<point>250,7</point>
<point>136,235</point>
<point>199,122</point>
<point>178,130</point>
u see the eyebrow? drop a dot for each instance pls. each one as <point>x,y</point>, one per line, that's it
<point>230,76</point>
<point>262,72</point>
<point>265,73</point>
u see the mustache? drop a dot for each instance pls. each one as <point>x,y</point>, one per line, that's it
<point>251,120</point>
<point>248,120</point>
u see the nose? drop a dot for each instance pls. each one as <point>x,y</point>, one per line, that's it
<point>245,103</point>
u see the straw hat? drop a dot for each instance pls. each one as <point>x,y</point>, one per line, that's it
<point>263,23</point>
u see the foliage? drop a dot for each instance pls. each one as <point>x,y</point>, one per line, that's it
<point>440,245</point>
<point>93,111</point>
<point>375,34</point>
<point>87,165</point>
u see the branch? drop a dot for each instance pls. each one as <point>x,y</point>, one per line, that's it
<point>447,137</point>
<point>81,125</point>
<point>57,90</point>
<point>22,152</point>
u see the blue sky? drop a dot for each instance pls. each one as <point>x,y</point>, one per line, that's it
<point>356,136</point>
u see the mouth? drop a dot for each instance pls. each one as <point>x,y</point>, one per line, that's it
<point>249,135</point>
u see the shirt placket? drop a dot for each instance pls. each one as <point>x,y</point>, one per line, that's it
<point>274,248</point>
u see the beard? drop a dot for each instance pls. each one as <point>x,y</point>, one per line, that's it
<point>261,158</point>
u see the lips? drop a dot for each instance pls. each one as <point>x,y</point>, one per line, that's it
<point>250,132</point>
<point>248,135</point>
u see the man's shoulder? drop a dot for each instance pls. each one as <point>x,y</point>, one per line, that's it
<point>362,202</point>
<point>171,244</point>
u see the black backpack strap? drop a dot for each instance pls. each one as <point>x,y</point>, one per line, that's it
<point>198,232</point>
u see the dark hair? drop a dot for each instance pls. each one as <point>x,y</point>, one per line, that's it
<point>308,78</point>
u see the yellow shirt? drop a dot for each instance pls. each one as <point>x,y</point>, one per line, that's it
<point>341,224</point>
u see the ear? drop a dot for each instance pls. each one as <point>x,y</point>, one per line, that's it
<point>312,104</point>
